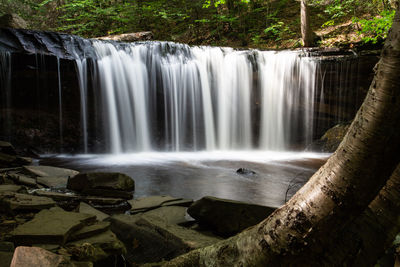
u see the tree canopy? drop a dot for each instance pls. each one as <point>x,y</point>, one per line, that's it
<point>256,23</point>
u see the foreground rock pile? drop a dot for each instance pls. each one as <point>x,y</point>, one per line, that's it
<point>59,217</point>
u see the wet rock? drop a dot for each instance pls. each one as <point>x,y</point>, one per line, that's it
<point>244,171</point>
<point>15,202</point>
<point>87,209</point>
<point>152,202</point>
<point>49,171</point>
<point>6,258</point>
<point>53,181</point>
<point>90,230</point>
<point>34,256</point>
<point>52,226</point>
<point>103,184</point>
<point>8,160</point>
<point>103,201</point>
<point>227,217</point>
<point>151,239</point>
<point>13,21</point>
<point>86,252</point>
<point>7,148</point>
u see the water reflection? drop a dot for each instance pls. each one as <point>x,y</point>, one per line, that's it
<point>194,175</point>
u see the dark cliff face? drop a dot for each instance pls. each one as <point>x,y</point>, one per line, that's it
<point>38,69</point>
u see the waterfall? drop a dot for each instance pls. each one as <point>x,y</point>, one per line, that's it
<point>172,97</point>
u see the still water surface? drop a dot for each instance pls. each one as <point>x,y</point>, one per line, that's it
<point>196,174</point>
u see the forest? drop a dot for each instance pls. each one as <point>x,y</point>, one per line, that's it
<point>236,23</point>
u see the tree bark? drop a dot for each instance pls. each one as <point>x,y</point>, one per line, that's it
<point>298,232</point>
<point>306,32</point>
<point>367,238</point>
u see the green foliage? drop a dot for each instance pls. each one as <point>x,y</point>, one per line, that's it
<point>377,28</point>
<point>278,30</point>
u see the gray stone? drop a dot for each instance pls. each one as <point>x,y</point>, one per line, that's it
<point>152,202</point>
<point>34,256</point>
<point>227,217</point>
<point>7,148</point>
<point>6,258</point>
<point>52,226</point>
<point>49,171</point>
<point>14,202</point>
<point>10,188</point>
<point>53,181</point>
<point>13,21</point>
<point>141,233</point>
<point>103,200</point>
<point>87,209</point>
<point>103,184</point>
<point>90,230</point>
<point>7,160</point>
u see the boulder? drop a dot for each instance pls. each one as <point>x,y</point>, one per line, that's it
<point>49,171</point>
<point>330,141</point>
<point>169,214</point>
<point>34,256</point>
<point>13,21</point>
<point>15,202</point>
<point>103,184</point>
<point>152,239</point>
<point>152,202</point>
<point>7,148</point>
<point>87,209</point>
<point>52,226</point>
<point>227,217</point>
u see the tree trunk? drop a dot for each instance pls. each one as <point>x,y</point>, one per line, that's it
<point>299,232</point>
<point>306,32</point>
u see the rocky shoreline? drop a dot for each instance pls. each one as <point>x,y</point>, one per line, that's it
<point>60,217</point>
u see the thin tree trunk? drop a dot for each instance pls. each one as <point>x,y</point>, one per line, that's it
<point>306,32</point>
<point>298,232</point>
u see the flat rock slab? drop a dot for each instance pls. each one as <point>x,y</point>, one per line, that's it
<point>87,209</point>
<point>34,256</point>
<point>56,196</point>
<point>13,202</point>
<point>103,200</point>
<point>49,171</point>
<point>152,202</point>
<point>53,181</point>
<point>107,241</point>
<point>151,239</point>
<point>24,180</point>
<point>52,226</point>
<point>89,231</point>
<point>10,188</point>
<point>168,215</point>
<point>227,217</point>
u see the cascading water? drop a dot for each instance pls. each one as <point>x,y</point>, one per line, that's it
<point>171,97</point>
